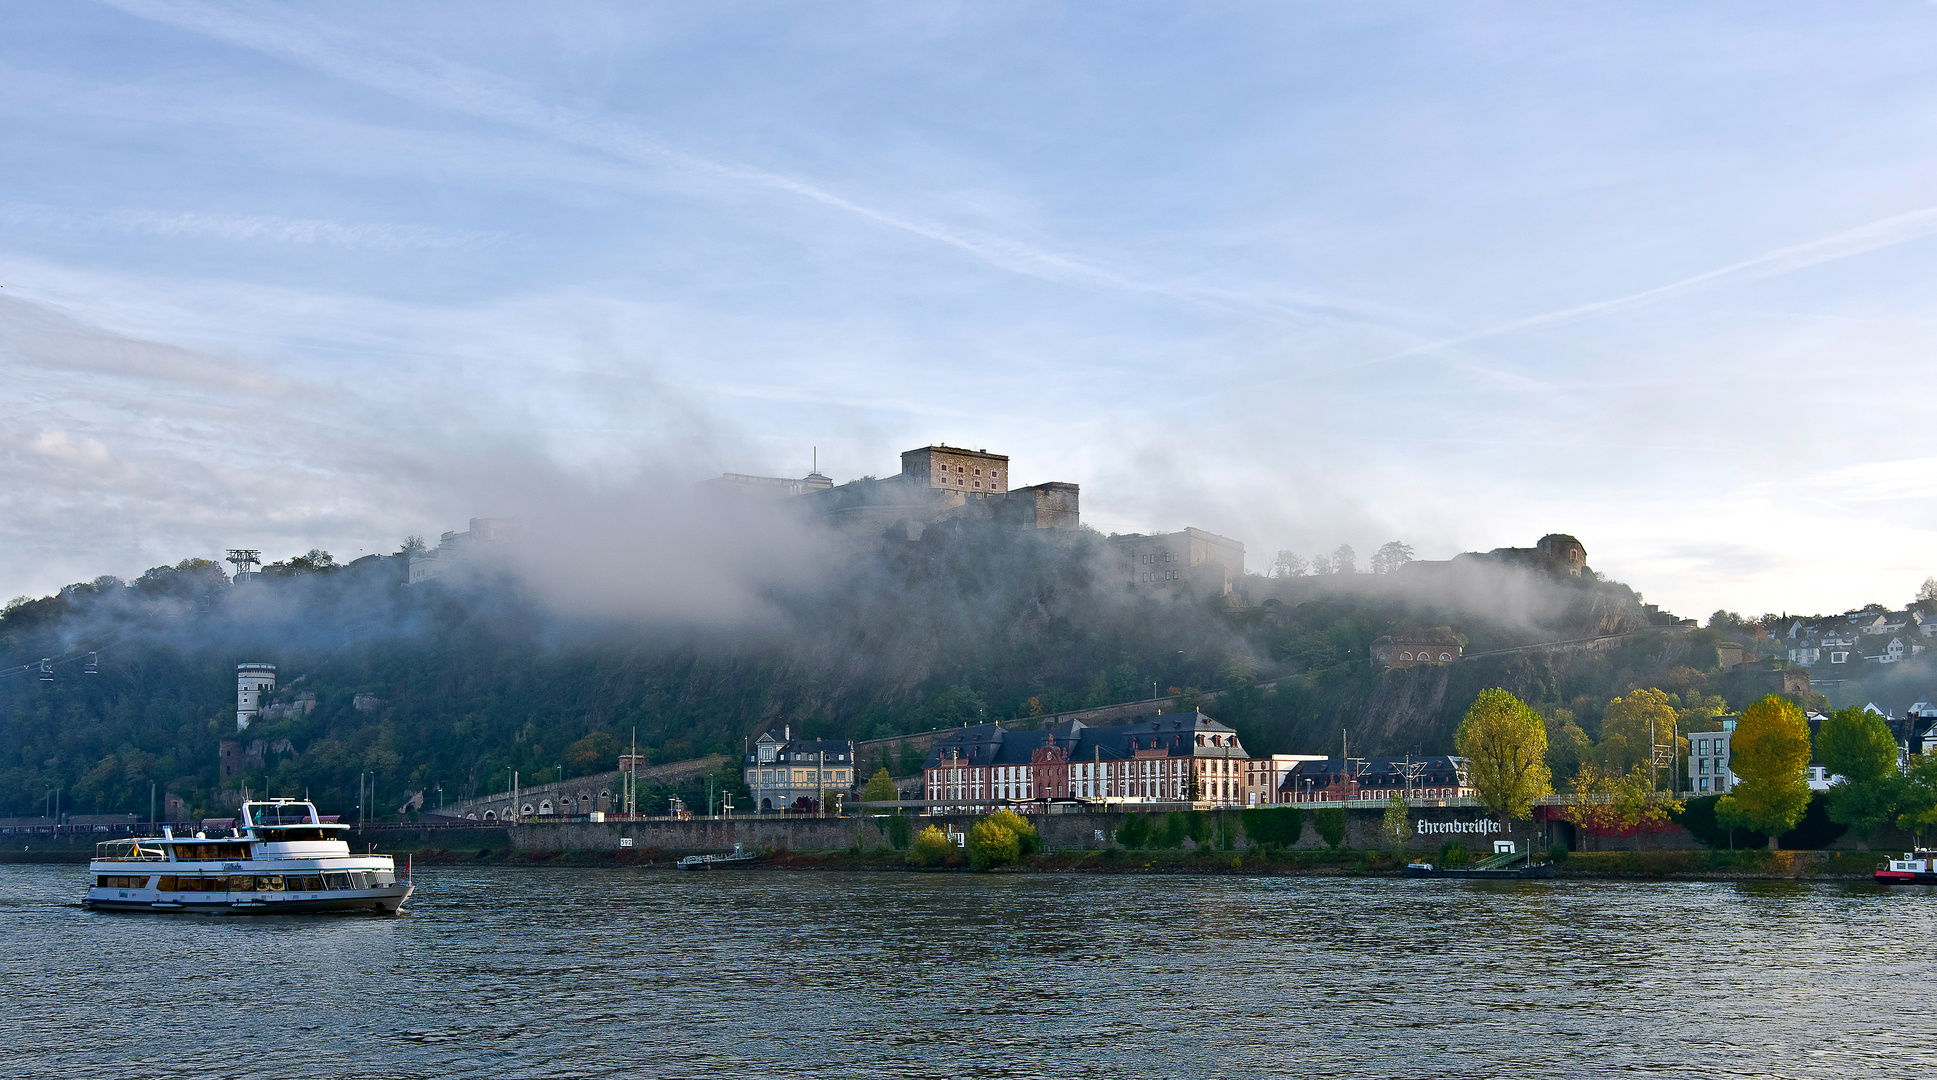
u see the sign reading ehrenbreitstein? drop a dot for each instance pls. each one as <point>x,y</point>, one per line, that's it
<point>1482,826</point>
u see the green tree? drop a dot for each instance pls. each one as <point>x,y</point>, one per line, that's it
<point>1568,747</point>
<point>899,831</point>
<point>1858,746</point>
<point>1028,840</point>
<point>1176,827</point>
<point>1730,815</point>
<point>1505,746</point>
<point>991,843</point>
<point>931,847</point>
<point>1134,833</point>
<point>1330,823</point>
<point>1397,825</point>
<point>1769,752</point>
<point>910,757</point>
<point>1917,804</point>
<point>881,787</point>
<point>1273,829</point>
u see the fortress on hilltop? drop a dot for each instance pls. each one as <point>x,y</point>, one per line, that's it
<point>1555,553</point>
<point>937,483</point>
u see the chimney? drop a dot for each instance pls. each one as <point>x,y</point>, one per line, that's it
<point>787,733</point>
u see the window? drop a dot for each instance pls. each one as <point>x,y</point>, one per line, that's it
<point>1704,783</point>
<point>1701,746</point>
<point>1446,656</point>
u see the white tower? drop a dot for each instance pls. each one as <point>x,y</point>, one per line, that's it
<point>251,682</point>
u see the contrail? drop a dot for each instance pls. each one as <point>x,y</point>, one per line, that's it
<point>431,80</point>
<point>1888,232</point>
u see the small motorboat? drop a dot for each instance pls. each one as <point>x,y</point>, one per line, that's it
<point>1915,868</point>
<point>739,854</point>
<point>1505,862</point>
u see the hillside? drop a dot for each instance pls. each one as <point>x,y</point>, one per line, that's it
<point>462,682</point>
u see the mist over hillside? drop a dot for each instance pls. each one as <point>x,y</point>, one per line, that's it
<point>527,663</point>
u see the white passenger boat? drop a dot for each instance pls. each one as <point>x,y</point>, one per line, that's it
<point>279,857</point>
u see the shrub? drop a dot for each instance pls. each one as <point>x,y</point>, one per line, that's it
<point>1558,853</point>
<point>899,832</point>
<point>1176,827</point>
<point>991,844</point>
<point>1028,840</point>
<point>1330,823</point>
<point>1453,853</point>
<point>1134,833</point>
<point>1274,829</point>
<point>931,847</point>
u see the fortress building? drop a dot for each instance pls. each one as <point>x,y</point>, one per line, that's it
<point>936,483</point>
<point>1555,553</point>
<point>1192,560</point>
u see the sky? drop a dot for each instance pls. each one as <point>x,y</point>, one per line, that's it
<point>1457,274</point>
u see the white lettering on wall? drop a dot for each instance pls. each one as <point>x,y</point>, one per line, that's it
<point>1481,827</point>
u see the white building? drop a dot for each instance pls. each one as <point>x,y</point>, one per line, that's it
<point>457,551</point>
<point>252,681</point>
<point>1708,760</point>
<point>1263,776</point>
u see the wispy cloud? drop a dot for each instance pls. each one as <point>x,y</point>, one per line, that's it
<point>286,230</point>
<point>1888,232</point>
<point>434,81</point>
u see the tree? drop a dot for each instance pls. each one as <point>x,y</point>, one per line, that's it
<point>1927,591</point>
<point>1505,746</point>
<point>1391,556</point>
<point>413,546</point>
<point>1322,564</point>
<point>1273,828</point>
<point>881,787</point>
<point>1289,564</point>
<point>991,843</point>
<point>1730,815</point>
<point>1134,833</point>
<point>1917,804</point>
<point>1330,823</point>
<point>1858,746</point>
<point>1769,752</point>
<point>1345,560</point>
<point>899,831</point>
<point>1568,747</point>
<point>1397,825</point>
<point>931,847</point>
<point>1633,726</point>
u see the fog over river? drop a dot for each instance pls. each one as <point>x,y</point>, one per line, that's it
<point>519,972</point>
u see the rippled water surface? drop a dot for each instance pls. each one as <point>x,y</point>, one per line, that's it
<point>514,972</point>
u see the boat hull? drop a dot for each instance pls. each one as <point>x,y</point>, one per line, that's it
<point>1545,870</point>
<point>384,900</point>
<point>1906,877</point>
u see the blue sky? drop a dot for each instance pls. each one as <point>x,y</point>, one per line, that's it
<point>1304,274</point>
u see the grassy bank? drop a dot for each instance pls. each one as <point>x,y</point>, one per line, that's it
<point>1610,865</point>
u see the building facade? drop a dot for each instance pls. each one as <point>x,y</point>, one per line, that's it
<point>785,773</point>
<point>1192,560</point>
<point>1263,776</point>
<point>1708,760</point>
<point>1413,650</point>
<point>1434,776</point>
<point>1165,758</point>
<point>458,551</point>
<point>252,683</point>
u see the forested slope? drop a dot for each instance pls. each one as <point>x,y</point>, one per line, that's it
<point>464,681</point>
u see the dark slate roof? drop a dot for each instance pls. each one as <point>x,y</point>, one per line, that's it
<point>807,749</point>
<point>1373,772</point>
<point>993,744</point>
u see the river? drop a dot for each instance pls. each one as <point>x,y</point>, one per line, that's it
<point>521,972</point>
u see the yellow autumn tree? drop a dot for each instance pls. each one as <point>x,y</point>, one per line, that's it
<point>1505,747</point>
<point>1768,753</point>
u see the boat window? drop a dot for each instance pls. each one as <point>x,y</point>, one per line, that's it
<point>337,881</point>
<point>269,882</point>
<point>118,881</point>
<point>242,883</point>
